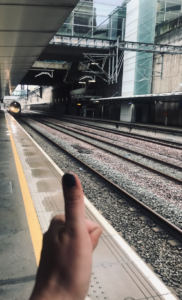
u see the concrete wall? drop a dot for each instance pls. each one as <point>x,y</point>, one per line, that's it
<point>172,75</point>
<point>127,112</point>
<point>33,99</point>
<point>174,111</point>
<point>172,70</point>
<point>135,112</point>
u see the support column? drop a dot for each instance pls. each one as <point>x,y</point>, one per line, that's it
<point>126,113</point>
<point>117,52</point>
<point>102,111</point>
<point>84,111</point>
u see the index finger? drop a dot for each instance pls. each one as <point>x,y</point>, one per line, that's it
<point>74,202</point>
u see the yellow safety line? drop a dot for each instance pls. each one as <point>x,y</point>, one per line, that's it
<point>34,226</point>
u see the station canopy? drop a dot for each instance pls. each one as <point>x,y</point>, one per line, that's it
<point>163,97</point>
<point>26,28</point>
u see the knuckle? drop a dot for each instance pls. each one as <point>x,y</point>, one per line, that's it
<point>74,200</point>
<point>57,219</point>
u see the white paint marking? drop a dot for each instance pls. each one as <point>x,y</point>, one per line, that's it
<point>45,154</point>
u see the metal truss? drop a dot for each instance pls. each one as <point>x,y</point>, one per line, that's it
<point>114,66</point>
<point>89,70</point>
<point>81,42</point>
<point>123,45</point>
<point>70,65</point>
<point>115,62</point>
<point>150,48</point>
<point>109,65</point>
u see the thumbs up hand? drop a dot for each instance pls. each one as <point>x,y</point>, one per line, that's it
<point>66,259</point>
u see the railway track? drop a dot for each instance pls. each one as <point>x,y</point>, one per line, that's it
<point>172,228</point>
<point>120,147</point>
<point>174,145</point>
<point>121,135</point>
<point>177,180</point>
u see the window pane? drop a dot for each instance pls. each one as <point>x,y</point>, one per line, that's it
<point>173,7</point>
<point>101,33</point>
<point>66,29</point>
<point>101,21</point>
<point>81,30</point>
<point>104,14</point>
<point>160,6</point>
<point>170,16</point>
<point>116,33</point>
<point>103,10</point>
<point>160,17</point>
<point>85,7</point>
<point>83,19</point>
<point>122,12</point>
<point>117,23</point>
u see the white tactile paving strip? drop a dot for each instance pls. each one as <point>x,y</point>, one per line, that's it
<point>118,272</point>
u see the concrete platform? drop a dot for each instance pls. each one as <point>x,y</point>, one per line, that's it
<point>17,258</point>
<point>118,272</point>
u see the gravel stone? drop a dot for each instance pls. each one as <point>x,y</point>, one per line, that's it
<point>136,229</point>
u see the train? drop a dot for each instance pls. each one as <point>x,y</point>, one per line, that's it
<point>15,108</point>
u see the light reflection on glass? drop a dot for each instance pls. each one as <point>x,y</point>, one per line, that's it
<point>167,10</point>
<point>96,19</point>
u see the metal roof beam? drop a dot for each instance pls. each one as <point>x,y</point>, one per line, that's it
<point>150,48</point>
<point>123,45</point>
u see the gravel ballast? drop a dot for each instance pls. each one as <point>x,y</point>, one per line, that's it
<point>152,246</point>
<point>113,170</point>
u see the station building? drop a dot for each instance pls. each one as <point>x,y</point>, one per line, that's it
<point>148,85</point>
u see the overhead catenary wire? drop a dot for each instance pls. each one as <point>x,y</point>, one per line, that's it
<point>92,31</point>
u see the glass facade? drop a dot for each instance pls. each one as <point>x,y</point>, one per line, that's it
<point>146,34</point>
<point>168,9</point>
<point>140,27</point>
<point>102,19</point>
<point>135,21</point>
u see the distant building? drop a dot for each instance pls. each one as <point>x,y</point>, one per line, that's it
<point>96,19</point>
<point>133,20</point>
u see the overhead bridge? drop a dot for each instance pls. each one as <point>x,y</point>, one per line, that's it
<point>109,44</point>
<point>91,50</point>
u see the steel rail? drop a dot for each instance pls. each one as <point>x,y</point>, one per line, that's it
<point>122,134</point>
<point>179,181</point>
<point>177,232</point>
<point>122,148</point>
<point>125,124</point>
<point>175,145</point>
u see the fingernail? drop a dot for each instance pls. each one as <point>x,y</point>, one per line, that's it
<point>69,180</point>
